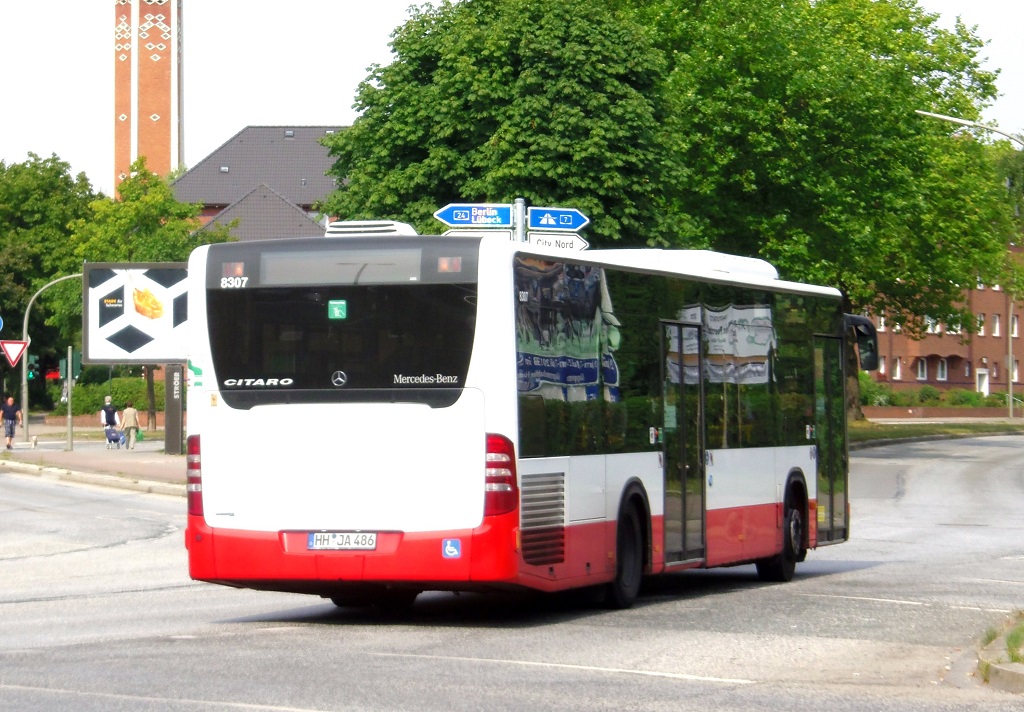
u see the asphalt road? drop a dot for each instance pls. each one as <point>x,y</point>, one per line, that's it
<point>97,613</point>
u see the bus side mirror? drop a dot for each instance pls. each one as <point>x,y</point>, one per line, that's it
<point>867,340</point>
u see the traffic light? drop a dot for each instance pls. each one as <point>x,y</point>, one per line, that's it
<point>33,367</point>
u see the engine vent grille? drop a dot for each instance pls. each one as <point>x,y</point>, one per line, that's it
<point>542,518</point>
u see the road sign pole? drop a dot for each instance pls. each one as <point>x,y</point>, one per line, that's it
<point>71,386</point>
<point>520,226</point>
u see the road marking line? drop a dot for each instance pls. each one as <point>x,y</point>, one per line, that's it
<point>566,666</point>
<point>864,598</point>
<point>144,698</point>
<point>985,580</point>
<point>981,610</point>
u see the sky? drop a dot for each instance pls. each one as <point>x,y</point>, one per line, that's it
<point>295,63</point>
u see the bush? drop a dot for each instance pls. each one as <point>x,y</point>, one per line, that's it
<point>905,399</point>
<point>88,398</point>
<point>965,399</point>
<point>929,395</point>
<point>872,392</point>
<point>995,400</point>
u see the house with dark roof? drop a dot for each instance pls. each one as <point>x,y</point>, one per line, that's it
<point>266,177</point>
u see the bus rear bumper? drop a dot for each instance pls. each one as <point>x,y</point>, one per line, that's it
<point>282,560</point>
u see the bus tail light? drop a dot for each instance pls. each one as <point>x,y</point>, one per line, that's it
<point>501,492</point>
<point>194,477</point>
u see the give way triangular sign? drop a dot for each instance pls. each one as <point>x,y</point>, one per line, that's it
<point>13,350</point>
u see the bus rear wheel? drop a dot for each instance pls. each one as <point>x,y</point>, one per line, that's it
<point>387,598</point>
<point>781,567</point>
<point>629,560</point>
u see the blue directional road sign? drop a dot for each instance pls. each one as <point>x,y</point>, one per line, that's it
<point>568,219</point>
<point>475,215</point>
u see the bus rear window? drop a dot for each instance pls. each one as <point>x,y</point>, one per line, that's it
<point>280,344</point>
<point>315,320</point>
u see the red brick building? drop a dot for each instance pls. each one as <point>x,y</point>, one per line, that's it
<point>147,85</point>
<point>947,359</point>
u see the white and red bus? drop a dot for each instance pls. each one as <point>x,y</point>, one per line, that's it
<point>370,417</point>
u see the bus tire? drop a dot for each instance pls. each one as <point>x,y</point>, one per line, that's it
<point>353,599</point>
<point>629,560</point>
<point>781,567</point>
<point>397,600</point>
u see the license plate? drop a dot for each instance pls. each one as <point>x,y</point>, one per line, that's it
<point>342,541</point>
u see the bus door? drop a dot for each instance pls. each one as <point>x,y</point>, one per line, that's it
<point>830,432</point>
<point>682,437</point>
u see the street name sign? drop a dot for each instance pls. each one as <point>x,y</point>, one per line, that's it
<point>487,215</point>
<point>550,219</point>
<point>559,240</point>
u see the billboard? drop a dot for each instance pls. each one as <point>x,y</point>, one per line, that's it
<point>134,313</point>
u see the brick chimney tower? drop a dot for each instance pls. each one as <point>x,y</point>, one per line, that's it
<point>148,104</point>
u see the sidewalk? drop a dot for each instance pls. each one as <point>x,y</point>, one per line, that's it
<point>146,468</point>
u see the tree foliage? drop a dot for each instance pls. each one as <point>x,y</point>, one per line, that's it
<point>490,100</point>
<point>794,131</point>
<point>39,198</point>
<point>145,224</point>
<point>784,130</point>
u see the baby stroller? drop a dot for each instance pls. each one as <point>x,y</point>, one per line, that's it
<point>114,437</point>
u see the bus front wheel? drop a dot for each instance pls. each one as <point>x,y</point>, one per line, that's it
<point>781,567</point>
<point>629,560</point>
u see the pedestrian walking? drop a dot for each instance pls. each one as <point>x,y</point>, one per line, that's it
<point>130,423</point>
<point>12,418</point>
<point>108,414</point>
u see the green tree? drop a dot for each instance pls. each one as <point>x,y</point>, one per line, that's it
<point>39,198</point>
<point>784,130</point>
<point>489,100</point>
<point>146,224</point>
<point>792,133</point>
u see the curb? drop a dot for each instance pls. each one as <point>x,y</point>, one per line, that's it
<point>880,442</point>
<point>94,478</point>
<point>997,670</point>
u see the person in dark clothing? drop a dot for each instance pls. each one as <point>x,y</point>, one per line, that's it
<point>108,414</point>
<point>12,418</point>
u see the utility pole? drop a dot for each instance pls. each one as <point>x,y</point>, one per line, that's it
<point>24,361</point>
<point>1011,298</point>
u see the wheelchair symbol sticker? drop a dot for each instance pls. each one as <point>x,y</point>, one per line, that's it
<point>451,548</point>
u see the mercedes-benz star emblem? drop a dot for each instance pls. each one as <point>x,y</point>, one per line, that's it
<point>339,378</point>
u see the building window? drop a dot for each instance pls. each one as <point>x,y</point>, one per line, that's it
<point>922,369</point>
<point>981,285</point>
<point>981,324</point>
<point>995,370</point>
<point>931,325</point>
<point>967,369</point>
<point>995,325</point>
<point>941,370</point>
<point>1016,370</point>
<point>881,323</point>
<point>881,364</point>
<point>1013,326</point>
<point>897,368</point>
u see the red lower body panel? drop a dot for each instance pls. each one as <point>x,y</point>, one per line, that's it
<point>281,560</point>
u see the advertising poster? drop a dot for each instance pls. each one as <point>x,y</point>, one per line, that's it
<point>134,313</point>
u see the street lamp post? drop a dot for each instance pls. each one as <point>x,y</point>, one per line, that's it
<point>24,361</point>
<point>1009,321</point>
